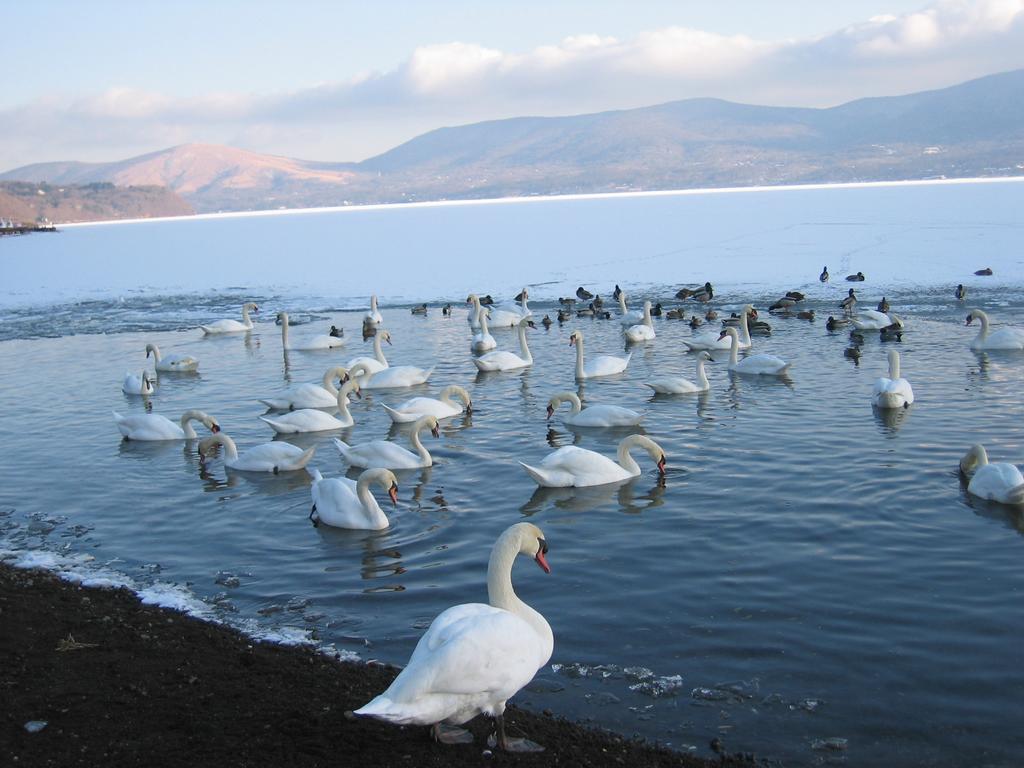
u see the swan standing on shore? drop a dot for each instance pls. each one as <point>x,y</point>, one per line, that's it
<point>1003,338</point>
<point>643,331</point>
<point>501,360</point>
<point>232,326</point>
<point>482,339</point>
<point>273,457</point>
<point>1000,482</point>
<point>571,466</point>
<point>444,408</point>
<point>313,419</point>
<point>308,394</point>
<point>384,453</point>
<point>764,365</point>
<point>713,340</point>
<point>344,503</point>
<point>378,362</point>
<point>137,384</point>
<point>677,385</point>
<point>153,426</point>
<point>892,392</point>
<point>602,365</point>
<point>475,656</point>
<point>320,341</point>
<point>593,415</point>
<point>171,363</point>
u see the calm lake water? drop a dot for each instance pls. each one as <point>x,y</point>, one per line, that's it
<point>809,570</point>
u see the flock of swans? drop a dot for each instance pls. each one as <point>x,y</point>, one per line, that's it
<point>474,657</point>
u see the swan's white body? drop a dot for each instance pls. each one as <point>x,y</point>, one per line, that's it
<point>172,363</point>
<point>677,385</point>
<point>153,426</point>
<point>269,457</point>
<point>475,656</point>
<point>443,408</point>
<point>383,453</point>
<point>392,377</point>
<point>476,312</point>
<point>344,503</point>
<point>643,331</point>
<point>313,419</point>
<point>757,365</point>
<point>593,415</point>
<point>1003,338</point>
<point>712,340</point>
<point>628,317</point>
<point>309,343</point>
<point>308,394</point>
<point>232,326</point>
<point>1002,482</point>
<point>378,362</point>
<point>509,314</point>
<point>871,320</point>
<point>892,392</point>
<point>575,467</point>
<point>482,339</point>
<point>373,318</point>
<point>137,384</point>
<point>602,365</point>
<point>500,360</point>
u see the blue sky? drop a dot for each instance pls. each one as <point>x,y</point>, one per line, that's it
<point>345,80</point>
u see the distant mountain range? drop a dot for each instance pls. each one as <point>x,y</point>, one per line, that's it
<point>972,129</point>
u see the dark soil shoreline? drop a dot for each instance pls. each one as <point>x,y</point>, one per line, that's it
<point>119,683</point>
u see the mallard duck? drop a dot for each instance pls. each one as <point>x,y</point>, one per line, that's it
<point>656,310</point>
<point>857,278</point>
<point>583,294</point>
<point>849,302</point>
<point>546,322</point>
<point>852,353</point>
<point>710,315</point>
<point>695,322</point>
<point>419,310</point>
<point>807,314</point>
<point>563,315</point>
<point>834,324</point>
<point>823,277</point>
<point>961,292</point>
<point>446,310</point>
<point>794,295</point>
<point>676,314</point>
<point>336,332</point>
<point>883,305</point>
<point>983,272</point>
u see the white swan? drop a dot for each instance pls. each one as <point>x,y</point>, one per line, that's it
<point>344,503</point>
<point>309,343</point>
<point>313,419</point>
<point>593,415</point>
<point>643,331</point>
<point>373,318</point>
<point>153,426</point>
<point>308,394</point>
<point>443,408</point>
<point>172,363</point>
<point>571,466</point>
<point>1000,482</point>
<point>509,314</point>
<point>378,362</point>
<point>871,320</point>
<point>232,326</point>
<point>712,340</point>
<point>476,312</point>
<point>482,339</point>
<point>602,365</point>
<point>677,385</point>
<point>273,457</point>
<point>628,317</point>
<point>137,384</point>
<point>765,365</point>
<point>1004,338</point>
<point>892,392</point>
<point>475,656</point>
<point>500,360</point>
<point>392,377</point>
<point>384,453</point>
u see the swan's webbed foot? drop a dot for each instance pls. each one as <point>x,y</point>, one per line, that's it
<point>517,744</point>
<point>450,734</point>
<point>312,519</point>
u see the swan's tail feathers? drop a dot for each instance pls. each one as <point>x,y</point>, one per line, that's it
<point>890,400</point>
<point>628,358</point>
<point>207,330</point>
<point>121,427</point>
<point>426,375</point>
<point>398,417</point>
<point>342,447</point>
<point>1015,495</point>
<point>305,458</point>
<point>275,405</point>
<point>278,426</point>
<point>385,709</point>
<point>481,365</point>
<point>315,473</point>
<point>546,479</point>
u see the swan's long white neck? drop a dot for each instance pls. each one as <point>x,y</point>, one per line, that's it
<point>230,449</point>
<point>454,389</point>
<point>745,323</point>
<point>522,303</point>
<point>975,458</point>
<point>734,344</point>
<point>284,329</point>
<point>622,303</point>
<point>378,351</point>
<point>702,376</point>
<point>522,343</point>
<point>982,318</point>
<point>500,593</point>
<point>343,394</point>
<point>245,316</point>
<point>626,460</point>
<point>894,364</point>
<point>370,506</point>
<point>329,376</point>
<point>373,304</point>
<point>156,352</point>
<point>414,440</point>
<point>579,357</point>
<point>481,318</point>
<point>186,422</point>
<point>647,315</point>
<point>570,397</point>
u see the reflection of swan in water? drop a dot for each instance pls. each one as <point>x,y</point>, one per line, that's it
<point>594,497</point>
<point>891,419</point>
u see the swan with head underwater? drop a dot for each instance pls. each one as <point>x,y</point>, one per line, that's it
<point>310,343</point>
<point>573,467</point>
<point>642,331</point>
<point>677,385</point>
<point>602,365</point>
<point>171,363</point>
<point>275,457</point>
<point>501,360</point>
<point>140,384</point>
<point>482,339</point>
<point>384,453</point>
<point>713,340</point>
<point>1003,338</point>
<point>378,362</point>
<point>762,364</point>
<point>344,503</point>
<point>443,408</point>
<point>593,415</point>
<point>309,394</point>
<point>475,656</point>
<point>1001,482</point>
<point>232,326</point>
<point>153,426</point>
<point>315,420</point>
<point>892,392</point>
<point>509,314</point>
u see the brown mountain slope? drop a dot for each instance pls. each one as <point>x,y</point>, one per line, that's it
<point>29,202</point>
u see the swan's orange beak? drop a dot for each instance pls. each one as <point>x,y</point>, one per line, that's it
<point>661,464</point>
<point>551,411</point>
<point>393,493</point>
<point>541,558</point>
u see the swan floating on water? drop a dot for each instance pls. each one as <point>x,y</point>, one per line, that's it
<point>378,362</point>
<point>509,315</point>
<point>892,392</point>
<point>384,453</point>
<point>871,320</point>
<point>482,339</point>
<point>677,385</point>
<point>764,365</point>
<point>392,377</point>
<point>602,365</point>
<point>232,326</point>
<point>313,419</point>
<point>153,426</point>
<point>593,415</point>
<point>344,503</point>
<point>444,408</point>
<point>320,341</point>
<point>135,384</point>
<point>475,656</point>
<point>373,317</point>
<point>1002,338</point>
<point>273,457</point>
<point>571,466</point>
<point>308,394</point>
<point>714,340</point>
<point>502,360</point>
<point>171,363</point>
<point>1000,482</point>
<point>644,330</point>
